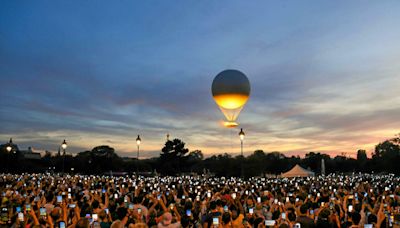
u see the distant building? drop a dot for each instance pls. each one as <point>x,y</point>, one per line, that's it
<point>29,154</point>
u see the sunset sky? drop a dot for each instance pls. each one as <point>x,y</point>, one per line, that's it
<point>324,75</point>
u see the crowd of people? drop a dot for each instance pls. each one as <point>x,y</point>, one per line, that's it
<point>44,200</point>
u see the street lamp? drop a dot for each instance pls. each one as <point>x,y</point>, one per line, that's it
<point>241,135</point>
<point>9,148</point>
<point>63,146</point>
<point>138,140</point>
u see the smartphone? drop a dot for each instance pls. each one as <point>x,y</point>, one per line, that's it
<point>258,199</point>
<point>106,210</point>
<point>311,212</point>
<point>158,197</point>
<point>18,209</point>
<point>69,190</point>
<point>188,213</point>
<point>275,201</point>
<point>72,205</point>
<point>139,210</point>
<point>318,194</point>
<point>269,222</point>
<point>69,196</point>
<point>4,214</point>
<point>198,198</point>
<point>209,194</point>
<point>350,208</point>
<point>131,206</point>
<point>251,210</point>
<point>21,216</point>
<point>233,195</point>
<point>367,225</point>
<point>215,221</point>
<point>61,224</point>
<point>42,211</point>
<point>28,207</point>
<point>116,196</point>
<point>103,191</point>
<point>59,199</point>
<point>226,208</point>
<point>287,200</point>
<point>94,217</point>
<point>283,215</point>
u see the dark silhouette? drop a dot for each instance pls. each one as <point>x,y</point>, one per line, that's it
<point>173,157</point>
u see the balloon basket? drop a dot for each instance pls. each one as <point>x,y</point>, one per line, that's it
<point>230,124</point>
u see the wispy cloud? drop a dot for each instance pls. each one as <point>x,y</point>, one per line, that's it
<point>324,76</point>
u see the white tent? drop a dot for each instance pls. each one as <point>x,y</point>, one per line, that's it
<point>298,171</point>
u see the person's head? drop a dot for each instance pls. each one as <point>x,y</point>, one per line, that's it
<point>95,204</point>
<point>372,219</point>
<point>284,225</point>
<point>55,213</point>
<point>82,223</point>
<point>121,212</point>
<point>324,214</point>
<point>291,216</point>
<point>249,202</point>
<point>185,221</point>
<point>355,218</point>
<point>117,224</point>
<point>226,218</point>
<point>303,209</point>
<point>166,219</point>
<point>235,213</point>
<point>49,197</point>
<point>213,205</point>
<point>257,221</point>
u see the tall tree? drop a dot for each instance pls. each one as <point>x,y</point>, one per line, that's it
<point>387,156</point>
<point>173,156</point>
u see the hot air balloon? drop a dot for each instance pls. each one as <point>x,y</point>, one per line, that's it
<point>231,90</point>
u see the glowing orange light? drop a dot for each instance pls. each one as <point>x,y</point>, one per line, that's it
<point>231,101</point>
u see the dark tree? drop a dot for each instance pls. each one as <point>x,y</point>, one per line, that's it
<point>387,156</point>
<point>173,157</point>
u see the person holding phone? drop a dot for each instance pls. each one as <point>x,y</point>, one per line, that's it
<point>166,221</point>
<point>237,212</point>
<point>213,213</point>
<point>303,219</point>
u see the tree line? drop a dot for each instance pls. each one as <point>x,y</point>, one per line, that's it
<point>176,159</point>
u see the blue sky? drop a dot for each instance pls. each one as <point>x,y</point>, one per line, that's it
<point>325,75</point>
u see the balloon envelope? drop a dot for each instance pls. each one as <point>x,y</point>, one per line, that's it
<point>231,90</point>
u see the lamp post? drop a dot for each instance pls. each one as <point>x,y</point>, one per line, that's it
<point>9,148</point>
<point>63,146</point>
<point>241,135</point>
<point>138,141</point>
